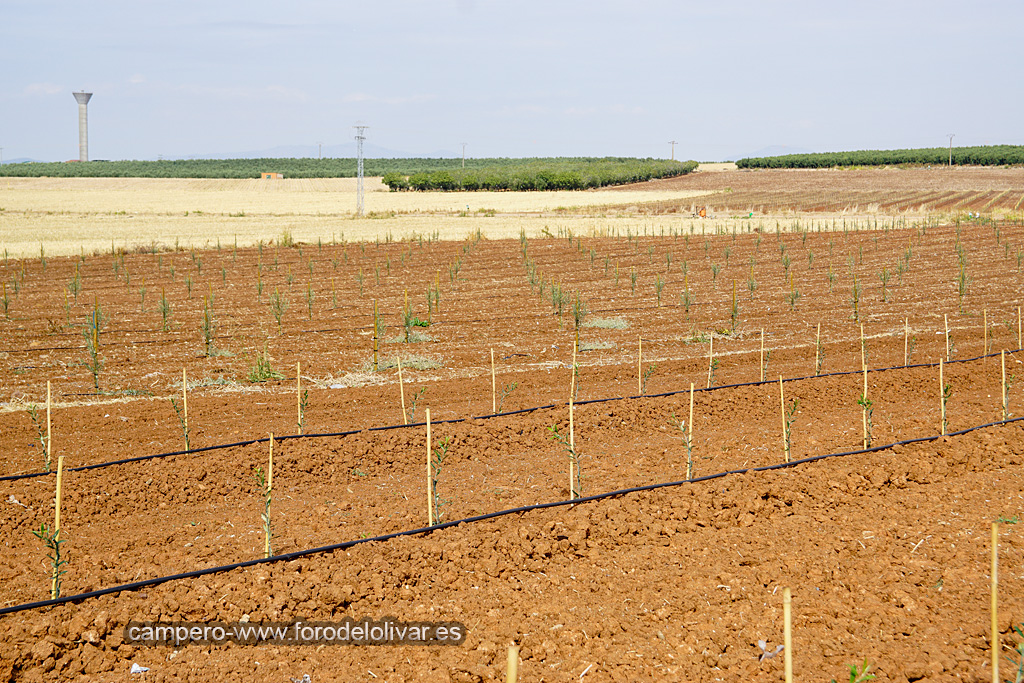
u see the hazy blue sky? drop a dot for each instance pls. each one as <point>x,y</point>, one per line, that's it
<point>512,78</point>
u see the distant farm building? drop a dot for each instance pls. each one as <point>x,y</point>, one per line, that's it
<point>271,176</point>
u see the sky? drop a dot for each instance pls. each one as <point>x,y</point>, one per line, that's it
<point>520,78</point>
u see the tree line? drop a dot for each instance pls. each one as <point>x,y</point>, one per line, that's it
<point>492,173</point>
<point>541,174</point>
<point>992,155</point>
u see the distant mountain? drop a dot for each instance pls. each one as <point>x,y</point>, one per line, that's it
<point>21,160</point>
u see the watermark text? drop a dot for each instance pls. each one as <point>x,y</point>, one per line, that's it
<point>386,631</point>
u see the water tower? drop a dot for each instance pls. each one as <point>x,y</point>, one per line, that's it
<point>83,124</point>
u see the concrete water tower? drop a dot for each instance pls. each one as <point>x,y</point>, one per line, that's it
<point>83,124</point>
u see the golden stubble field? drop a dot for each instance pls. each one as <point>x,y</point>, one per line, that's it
<point>67,215</point>
<point>71,215</point>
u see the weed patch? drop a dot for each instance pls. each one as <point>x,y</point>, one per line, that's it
<point>606,323</point>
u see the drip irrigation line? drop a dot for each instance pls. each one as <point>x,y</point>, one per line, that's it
<point>299,554</point>
<point>799,379</point>
<point>457,420</point>
<point>168,341</point>
<point>140,393</point>
<point>51,348</point>
<point>194,451</point>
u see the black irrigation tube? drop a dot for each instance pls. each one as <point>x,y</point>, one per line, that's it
<point>298,554</point>
<point>457,420</point>
<point>801,379</point>
<point>99,465</point>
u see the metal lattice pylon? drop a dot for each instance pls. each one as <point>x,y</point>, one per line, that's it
<point>359,168</point>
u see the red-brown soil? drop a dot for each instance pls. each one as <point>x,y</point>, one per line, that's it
<point>886,190</point>
<point>886,553</point>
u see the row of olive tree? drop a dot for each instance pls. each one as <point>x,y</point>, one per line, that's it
<point>310,168</point>
<point>545,174</point>
<point>993,155</point>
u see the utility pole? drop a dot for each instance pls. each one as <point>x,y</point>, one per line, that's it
<point>951,136</point>
<point>463,155</point>
<point>359,168</point>
<point>673,143</point>
<point>319,150</point>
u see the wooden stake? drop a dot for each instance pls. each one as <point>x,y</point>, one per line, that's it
<point>512,673</point>
<point>864,419</point>
<point>863,359</point>
<point>270,488</point>
<point>184,398</point>
<point>270,464</point>
<point>494,384</point>
<point>985,332</point>
<point>942,400</point>
<point>864,412</point>
<point>945,324</point>
<point>572,429</point>
<point>572,447</point>
<point>689,437</point>
<point>787,633</point>
<point>639,365</point>
<point>711,358</point>
<point>572,377</point>
<point>298,393</point>
<point>375,335</point>
<point>96,325</point>
<point>430,478</point>
<point>1002,385</point>
<point>56,499</point>
<point>56,517</point>
<point>49,442</point>
<point>995,641</point>
<point>906,342</point>
<point>401,388</point>
<point>733,311</point>
<point>782,403</point>
<point>762,354</point>
<point>572,391</point>
<point>817,345</point>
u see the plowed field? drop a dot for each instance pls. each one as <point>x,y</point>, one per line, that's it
<point>861,191</point>
<point>886,552</point>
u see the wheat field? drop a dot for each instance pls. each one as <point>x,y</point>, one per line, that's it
<point>69,215</point>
